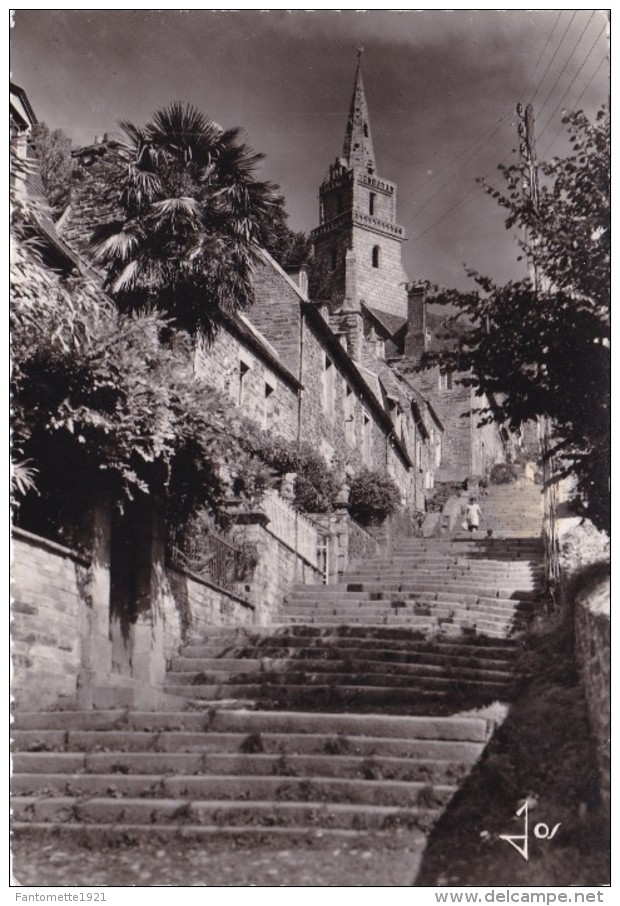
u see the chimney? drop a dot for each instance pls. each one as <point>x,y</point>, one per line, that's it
<point>416,341</point>
<point>299,275</point>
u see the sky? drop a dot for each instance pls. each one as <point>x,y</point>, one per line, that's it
<point>441,89</point>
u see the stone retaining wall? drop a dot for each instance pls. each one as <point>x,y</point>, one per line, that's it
<point>593,651</point>
<point>47,613</point>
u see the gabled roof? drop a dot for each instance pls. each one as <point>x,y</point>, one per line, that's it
<point>21,106</point>
<point>388,324</point>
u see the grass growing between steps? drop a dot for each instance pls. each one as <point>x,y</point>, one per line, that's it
<point>543,751</point>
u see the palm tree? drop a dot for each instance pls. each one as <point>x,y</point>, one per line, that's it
<point>191,214</point>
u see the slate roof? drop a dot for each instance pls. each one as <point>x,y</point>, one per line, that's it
<point>390,323</point>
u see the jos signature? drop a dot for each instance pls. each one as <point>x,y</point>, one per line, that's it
<point>521,842</point>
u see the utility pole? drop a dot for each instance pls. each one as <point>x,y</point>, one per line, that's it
<point>530,188</point>
<point>529,160</point>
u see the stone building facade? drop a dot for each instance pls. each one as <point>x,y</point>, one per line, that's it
<point>340,412</point>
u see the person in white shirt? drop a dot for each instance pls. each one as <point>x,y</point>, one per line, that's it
<point>472,515</point>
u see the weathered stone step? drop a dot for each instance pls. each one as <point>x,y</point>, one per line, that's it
<point>333,650</point>
<point>439,585</point>
<point>193,667</point>
<point>363,637</point>
<point>395,619</point>
<point>417,606</point>
<point>297,672</point>
<point>106,750</point>
<point>446,574</point>
<point>471,729</point>
<point>351,693</point>
<point>246,788</point>
<point>258,813</point>
<point>523,551</point>
<point>406,841</point>
<point>369,767</point>
<point>359,592</point>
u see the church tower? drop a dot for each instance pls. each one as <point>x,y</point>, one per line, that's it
<point>358,239</point>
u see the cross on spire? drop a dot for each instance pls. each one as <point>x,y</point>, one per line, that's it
<point>358,149</point>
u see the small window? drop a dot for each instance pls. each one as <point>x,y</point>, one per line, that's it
<point>349,416</point>
<point>365,127</point>
<point>243,372</point>
<point>334,258</point>
<point>269,400</point>
<point>445,380</point>
<point>329,387</point>
<point>375,256</point>
<point>366,440</point>
<point>371,203</point>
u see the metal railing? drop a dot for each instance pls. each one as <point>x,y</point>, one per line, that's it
<point>208,555</point>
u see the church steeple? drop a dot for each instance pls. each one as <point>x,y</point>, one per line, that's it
<point>358,149</point>
<point>358,241</point>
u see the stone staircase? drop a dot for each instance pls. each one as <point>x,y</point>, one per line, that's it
<point>510,510</point>
<point>355,718</point>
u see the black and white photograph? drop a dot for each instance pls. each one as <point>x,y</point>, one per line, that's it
<point>310,452</point>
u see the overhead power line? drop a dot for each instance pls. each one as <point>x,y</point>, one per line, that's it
<point>569,58</point>
<point>576,103</point>
<point>480,138</point>
<point>549,64</point>
<point>542,53</point>
<point>479,146</point>
<point>573,80</point>
<point>463,200</point>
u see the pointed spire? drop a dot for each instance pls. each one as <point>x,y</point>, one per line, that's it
<point>358,149</point>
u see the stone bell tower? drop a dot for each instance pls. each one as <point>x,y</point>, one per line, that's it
<point>358,239</point>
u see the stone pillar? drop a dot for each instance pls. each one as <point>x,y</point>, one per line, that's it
<point>339,543</point>
<point>95,618</point>
<point>148,661</point>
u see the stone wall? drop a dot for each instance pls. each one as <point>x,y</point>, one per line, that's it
<point>381,287</point>
<point>249,382</point>
<point>192,606</point>
<point>278,569</point>
<point>47,613</point>
<point>467,448</point>
<point>328,400</point>
<point>593,650</point>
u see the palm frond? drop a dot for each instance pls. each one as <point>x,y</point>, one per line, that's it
<point>116,246</point>
<point>23,477</point>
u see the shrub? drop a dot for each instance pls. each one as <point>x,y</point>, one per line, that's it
<point>503,473</point>
<point>373,497</point>
<point>316,484</point>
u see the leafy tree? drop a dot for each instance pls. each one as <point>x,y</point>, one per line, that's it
<point>544,351</point>
<point>96,398</point>
<point>286,246</point>
<point>53,151</point>
<point>190,213</point>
